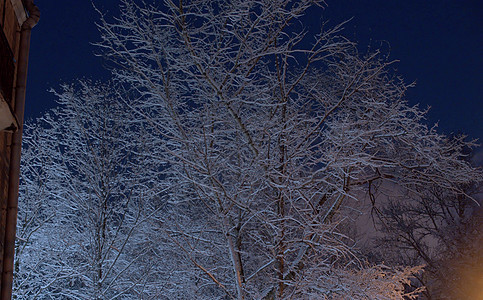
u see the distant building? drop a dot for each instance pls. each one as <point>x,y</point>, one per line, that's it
<point>17,18</point>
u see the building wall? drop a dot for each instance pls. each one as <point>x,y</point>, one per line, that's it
<point>9,45</point>
<point>10,19</point>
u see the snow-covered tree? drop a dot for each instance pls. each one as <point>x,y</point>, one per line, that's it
<point>83,202</point>
<point>267,131</point>
<point>435,228</point>
<point>218,163</point>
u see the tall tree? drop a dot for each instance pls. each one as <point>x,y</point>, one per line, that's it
<point>217,165</point>
<point>267,131</point>
<point>83,199</point>
<point>435,228</point>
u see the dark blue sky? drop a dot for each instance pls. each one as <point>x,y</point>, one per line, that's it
<point>439,44</point>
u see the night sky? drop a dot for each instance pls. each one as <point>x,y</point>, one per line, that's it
<point>439,44</point>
